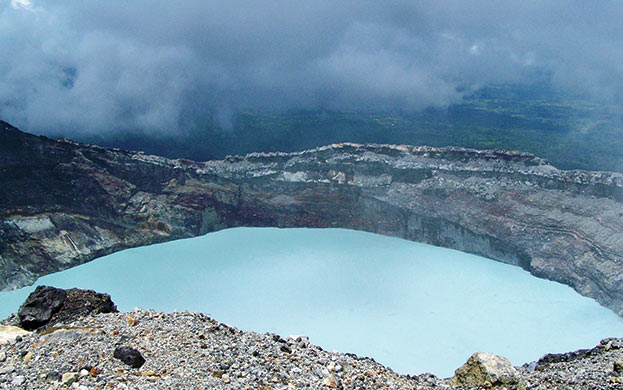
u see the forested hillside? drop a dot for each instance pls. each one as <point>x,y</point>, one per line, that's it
<point>571,132</point>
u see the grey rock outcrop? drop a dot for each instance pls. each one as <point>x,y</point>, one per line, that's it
<point>487,370</point>
<point>63,204</point>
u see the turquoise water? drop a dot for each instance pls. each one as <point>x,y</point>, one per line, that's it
<point>414,307</point>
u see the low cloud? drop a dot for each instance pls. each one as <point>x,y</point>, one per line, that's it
<point>22,4</point>
<point>97,67</point>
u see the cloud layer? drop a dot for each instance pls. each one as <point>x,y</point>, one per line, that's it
<point>95,67</point>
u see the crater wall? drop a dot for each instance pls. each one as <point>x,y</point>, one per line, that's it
<point>64,203</point>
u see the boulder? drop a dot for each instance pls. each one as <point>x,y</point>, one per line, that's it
<point>486,370</point>
<point>47,306</point>
<point>80,303</point>
<point>129,356</point>
<point>39,307</point>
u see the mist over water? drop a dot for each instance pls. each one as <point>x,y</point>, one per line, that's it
<point>414,307</point>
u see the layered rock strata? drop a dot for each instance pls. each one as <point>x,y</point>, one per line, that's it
<point>63,203</point>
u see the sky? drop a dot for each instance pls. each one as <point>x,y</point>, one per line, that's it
<point>99,66</point>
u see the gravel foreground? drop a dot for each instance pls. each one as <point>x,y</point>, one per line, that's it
<point>192,351</point>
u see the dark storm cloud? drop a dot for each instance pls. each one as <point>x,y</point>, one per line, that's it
<point>98,66</point>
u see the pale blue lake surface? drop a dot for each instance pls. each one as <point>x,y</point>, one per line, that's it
<point>413,307</point>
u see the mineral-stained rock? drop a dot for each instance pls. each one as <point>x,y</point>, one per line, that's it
<point>28,357</point>
<point>331,381</point>
<point>39,307</point>
<point>9,333</point>
<point>47,306</point>
<point>487,370</point>
<point>69,377</point>
<point>129,356</point>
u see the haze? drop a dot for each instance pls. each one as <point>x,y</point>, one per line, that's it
<point>94,67</point>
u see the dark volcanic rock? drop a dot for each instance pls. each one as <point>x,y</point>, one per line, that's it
<point>129,356</point>
<point>47,306</point>
<point>63,204</point>
<point>564,357</point>
<point>80,303</point>
<point>39,307</point>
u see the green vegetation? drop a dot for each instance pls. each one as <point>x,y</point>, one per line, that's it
<point>570,132</point>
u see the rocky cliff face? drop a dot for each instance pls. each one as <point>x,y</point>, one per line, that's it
<point>62,204</point>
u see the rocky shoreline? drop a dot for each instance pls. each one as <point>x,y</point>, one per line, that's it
<point>180,350</point>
